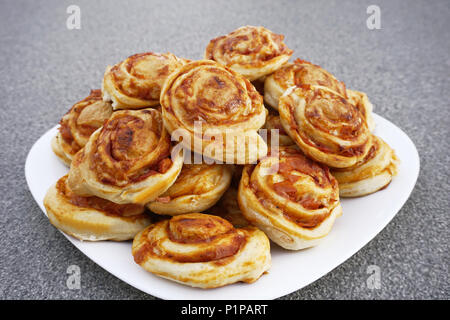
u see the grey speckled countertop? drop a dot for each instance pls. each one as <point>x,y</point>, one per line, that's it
<point>404,68</point>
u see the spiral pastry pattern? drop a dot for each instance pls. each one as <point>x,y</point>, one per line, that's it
<point>136,82</point>
<point>197,188</point>
<point>206,102</point>
<point>325,126</point>
<point>361,101</point>
<point>92,218</point>
<point>254,52</point>
<point>299,73</point>
<point>202,250</point>
<point>77,125</point>
<point>371,174</point>
<point>293,199</point>
<point>128,160</point>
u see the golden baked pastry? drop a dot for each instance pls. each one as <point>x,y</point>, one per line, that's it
<point>273,122</point>
<point>362,102</point>
<point>371,174</point>
<point>197,188</point>
<point>293,199</point>
<point>128,160</point>
<point>228,208</point>
<point>136,82</point>
<point>77,125</point>
<point>325,126</point>
<point>92,218</point>
<point>216,112</point>
<point>253,52</point>
<point>302,72</point>
<point>299,73</point>
<point>202,250</point>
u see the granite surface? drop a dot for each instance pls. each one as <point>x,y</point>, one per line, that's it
<point>404,67</point>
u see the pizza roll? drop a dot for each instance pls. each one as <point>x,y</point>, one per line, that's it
<point>299,73</point>
<point>371,174</point>
<point>293,199</point>
<point>92,218</point>
<point>197,188</point>
<point>77,125</point>
<point>128,160</point>
<point>362,102</point>
<point>228,208</point>
<point>215,111</point>
<point>202,250</point>
<point>325,126</point>
<point>254,52</point>
<point>136,82</point>
<point>273,122</point>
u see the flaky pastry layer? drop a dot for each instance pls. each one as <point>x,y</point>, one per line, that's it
<point>92,218</point>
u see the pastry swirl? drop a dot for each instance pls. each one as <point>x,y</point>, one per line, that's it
<point>128,160</point>
<point>325,126</point>
<point>299,73</point>
<point>363,104</point>
<point>209,103</point>
<point>77,125</point>
<point>251,51</point>
<point>136,82</point>
<point>197,188</point>
<point>202,250</point>
<point>92,218</point>
<point>293,199</point>
<point>369,175</point>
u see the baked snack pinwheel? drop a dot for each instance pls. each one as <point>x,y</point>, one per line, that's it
<point>298,73</point>
<point>215,111</point>
<point>325,126</point>
<point>293,199</point>
<point>228,208</point>
<point>302,72</point>
<point>362,102</point>
<point>273,122</point>
<point>77,125</point>
<point>92,218</point>
<point>136,82</point>
<point>251,51</point>
<point>371,174</point>
<point>197,188</point>
<point>128,160</point>
<point>202,250</point>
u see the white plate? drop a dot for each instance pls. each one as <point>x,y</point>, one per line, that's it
<point>362,220</point>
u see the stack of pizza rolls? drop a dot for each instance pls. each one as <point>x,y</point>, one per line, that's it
<point>202,162</point>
